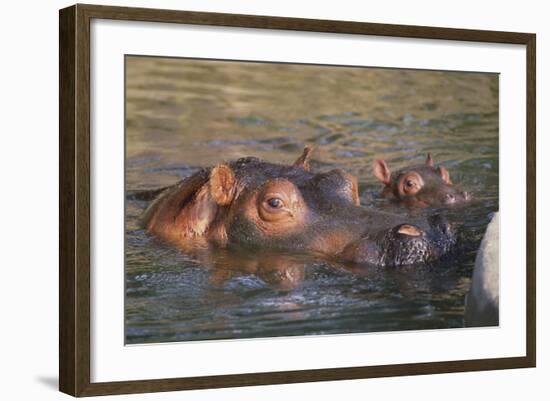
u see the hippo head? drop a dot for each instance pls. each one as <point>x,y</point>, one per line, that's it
<point>422,185</point>
<point>254,204</point>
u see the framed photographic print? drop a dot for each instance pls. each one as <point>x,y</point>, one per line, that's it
<point>251,200</point>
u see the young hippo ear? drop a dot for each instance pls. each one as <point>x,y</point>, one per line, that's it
<point>303,160</point>
<point>381,171</point>
<point>445,176</point>
<point>222,184</point>
<point>429,160</point>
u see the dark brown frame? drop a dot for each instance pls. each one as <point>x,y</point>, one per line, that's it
<point>74,199</point>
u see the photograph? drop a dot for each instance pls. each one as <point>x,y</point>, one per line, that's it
<point>269,199</point>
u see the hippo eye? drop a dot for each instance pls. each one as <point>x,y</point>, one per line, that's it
<point>275,203</point>
<point>410,184</point>
<point>279,202</point>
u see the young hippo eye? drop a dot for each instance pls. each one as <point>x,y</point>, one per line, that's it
<point>410,184</point>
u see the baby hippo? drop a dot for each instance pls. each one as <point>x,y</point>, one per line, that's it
<point>421,185</point>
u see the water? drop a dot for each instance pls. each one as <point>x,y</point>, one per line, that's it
<point>187,114</point>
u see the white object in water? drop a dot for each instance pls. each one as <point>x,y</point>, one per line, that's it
<point>482,300</point>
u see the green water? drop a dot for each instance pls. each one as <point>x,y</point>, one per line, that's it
<point>185,114</point>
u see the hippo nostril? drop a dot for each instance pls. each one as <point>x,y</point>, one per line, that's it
<point>449,198</point>
<point>409,230</point>
<point>440,223</point>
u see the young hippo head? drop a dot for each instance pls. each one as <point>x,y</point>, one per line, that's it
<point>258,205</point>
<point>421,185</point>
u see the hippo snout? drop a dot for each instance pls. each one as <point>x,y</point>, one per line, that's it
<point>452,198</point>
<point>404,244</point>
<point>440,226</point>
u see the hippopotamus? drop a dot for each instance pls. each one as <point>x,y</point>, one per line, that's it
<point>420,185</point>
<point>250,204</point>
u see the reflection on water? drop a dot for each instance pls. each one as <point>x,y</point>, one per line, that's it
<point>187,114</point>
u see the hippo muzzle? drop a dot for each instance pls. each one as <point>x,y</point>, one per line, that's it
<point>404,244</point>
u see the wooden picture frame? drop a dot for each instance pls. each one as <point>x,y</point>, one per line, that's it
<point>74,203</point>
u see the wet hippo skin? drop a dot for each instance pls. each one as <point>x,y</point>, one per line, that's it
<point>255,205</point>
<point>420,185</point>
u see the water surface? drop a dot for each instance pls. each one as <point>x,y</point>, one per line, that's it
<point>182,115</point>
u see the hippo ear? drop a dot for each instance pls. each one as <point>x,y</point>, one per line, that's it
<point>445,176</point>
<point>183,210</point>
<point>429,160</point>
<point>222,184</point>
<point>303,160</point>
<point>381,171</point>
